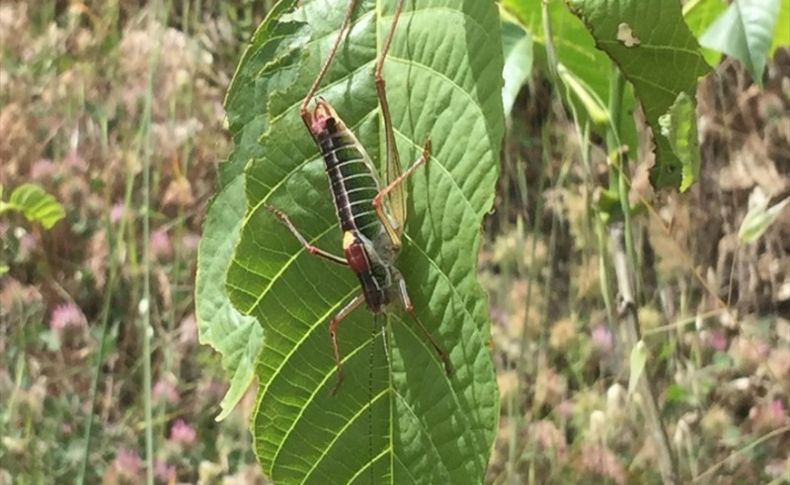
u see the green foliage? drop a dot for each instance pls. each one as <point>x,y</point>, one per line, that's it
<point>517,47</point>
<point>584,70</point>
<point>403,418</point>
<point>759,219</point>
<point>679,127</point>
<point>637,362</point>
<point>699,14</point>
<point>574,46</point>
<point>660,59</point>
<point>236,337</point>
<point>745,31</point>
<point>782,33</point>
<point>35,204</point>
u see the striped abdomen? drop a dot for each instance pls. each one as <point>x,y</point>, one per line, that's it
<point>351,178</point>
<point>354,185</point>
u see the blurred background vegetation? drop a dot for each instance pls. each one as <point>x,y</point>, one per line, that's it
<point>91,92</point>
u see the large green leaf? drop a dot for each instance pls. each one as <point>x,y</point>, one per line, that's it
<point>397,418</point>
<point>745,31</point>
<point>657,53</point>
<point>236,337</point>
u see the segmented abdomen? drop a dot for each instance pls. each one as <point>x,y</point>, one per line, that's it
<point>352,183</point>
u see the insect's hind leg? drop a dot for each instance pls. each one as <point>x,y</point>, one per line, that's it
<point>404,296</point>
<point>381,92</point>
<point>303,109</point>
<point>298,235</point>
<point>333,324</point>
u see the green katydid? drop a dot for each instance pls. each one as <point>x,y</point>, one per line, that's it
<point>371,214</point>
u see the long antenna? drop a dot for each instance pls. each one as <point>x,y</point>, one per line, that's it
<point>370,394</point>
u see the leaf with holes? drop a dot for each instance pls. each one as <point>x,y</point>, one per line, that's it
<point>656,53</point>
<point>398,418</point>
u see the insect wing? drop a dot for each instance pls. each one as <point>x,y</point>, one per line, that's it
<point>396,199</point>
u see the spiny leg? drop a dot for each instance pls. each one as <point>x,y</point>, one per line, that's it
<point>397,207</point>
<point>308,247</point>
<point>333,324</point>
<point>377,200</point>
<point>404,296</point>
<point>303,109</point>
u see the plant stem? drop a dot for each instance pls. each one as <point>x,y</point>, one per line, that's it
<point>628,315</point>
<point>625,266</point>
<point>105,318</point>
<point>145,302</point>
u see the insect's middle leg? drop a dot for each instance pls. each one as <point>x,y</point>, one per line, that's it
<point>377,200</point>
<point>342,314</point>
<point>298,235</point>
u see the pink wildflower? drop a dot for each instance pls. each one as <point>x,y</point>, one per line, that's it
<point>161,246</point>
<point>42,169</point>
<point>602,339</point>
<point>163,472</point>
<point>182,433</point>
<point>716,340</point>
<point>116,212</point>
<point>128,463</point>
<point>163,391</point>
<point>14,295</point>
<point>67,316</point>
<point>188,333</point>
<point>597,461</point>
<point>74,161</point>
<point>768,416</point>
<point>564,409</point>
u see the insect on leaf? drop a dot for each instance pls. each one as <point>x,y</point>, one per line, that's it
<point>397,415</point>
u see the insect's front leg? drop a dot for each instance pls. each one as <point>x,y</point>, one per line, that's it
<point>308,247</point>
<point>333,324</point>
<point>304,111</point>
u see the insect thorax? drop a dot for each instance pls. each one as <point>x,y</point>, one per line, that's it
<point>377,275</point>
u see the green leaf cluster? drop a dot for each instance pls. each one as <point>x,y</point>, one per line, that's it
<point>35,204</point>
<point>657,54</point>
<point>745,31</point>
